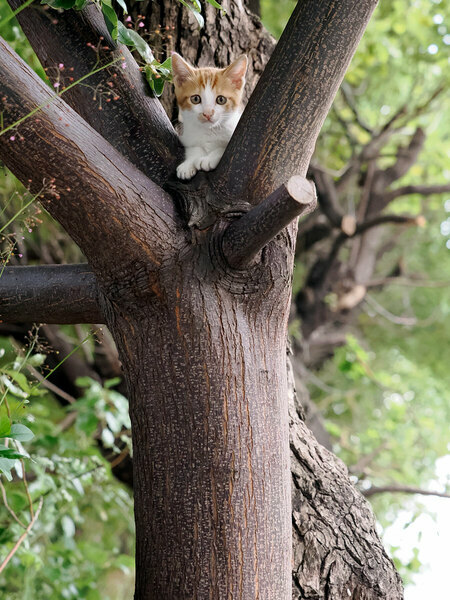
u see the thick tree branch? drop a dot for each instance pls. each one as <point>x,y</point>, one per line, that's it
<point>83,181</point>
<point>246,236</point>
<point>401,489</point>
<point>302,77</point>
<point>116,102</point>
<point>49,294</point>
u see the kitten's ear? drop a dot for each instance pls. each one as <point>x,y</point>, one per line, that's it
<point>236,71</point>
<point>181,70</point>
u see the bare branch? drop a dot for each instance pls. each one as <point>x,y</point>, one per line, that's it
<point>302,77</point>
<point>49,294</point>
<point>245,237</point>
<point>423,190</point>
<point>386,219</point>
<point>406,282</point>
<point>51,386</point>
<point>89,187</point>
<point>115,102</point>
<point>401,489</point>
<point>399,320</point>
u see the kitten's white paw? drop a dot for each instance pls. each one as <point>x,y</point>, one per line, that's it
<point>186,170</point>
<point>208,163</point>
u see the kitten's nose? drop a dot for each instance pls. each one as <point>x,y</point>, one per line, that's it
<point>208,114</point>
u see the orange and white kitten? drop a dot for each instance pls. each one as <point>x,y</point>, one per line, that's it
<point>209,102</point>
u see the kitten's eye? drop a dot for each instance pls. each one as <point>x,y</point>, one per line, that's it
<point>195,99</point>
<point>221,100</point>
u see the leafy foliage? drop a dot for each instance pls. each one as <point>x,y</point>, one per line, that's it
<point>85,530</point>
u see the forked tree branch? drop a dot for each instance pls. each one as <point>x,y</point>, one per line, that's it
<point>116,102</point>
<point>246,236</point>
<point>277,132</point>
<point>82,180</point>
<point>49,294</point>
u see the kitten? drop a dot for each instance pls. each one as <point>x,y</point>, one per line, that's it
<point>209,102</point>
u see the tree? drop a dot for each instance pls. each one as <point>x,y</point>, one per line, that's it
<point>171,272</point>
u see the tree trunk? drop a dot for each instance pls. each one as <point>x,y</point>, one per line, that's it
<point>210,428</point>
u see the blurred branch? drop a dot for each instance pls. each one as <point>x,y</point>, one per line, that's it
<point>423,190</point>
<point>407,282</point>
<point>327,196</point>
<point>367,459</point>
<point>350,101</point>
<point>401,489</point>
<point>408,321</point>
<point>406,157</point>
<point>386,219</point>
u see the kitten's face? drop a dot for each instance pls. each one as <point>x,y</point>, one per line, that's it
<point>209,95</point>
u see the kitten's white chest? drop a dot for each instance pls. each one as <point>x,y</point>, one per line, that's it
<point>203,135</point>
<point>204,144</point>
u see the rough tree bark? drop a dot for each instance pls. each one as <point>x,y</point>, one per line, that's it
<point>202,343</point>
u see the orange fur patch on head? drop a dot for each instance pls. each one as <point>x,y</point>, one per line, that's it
<point>228,82</point>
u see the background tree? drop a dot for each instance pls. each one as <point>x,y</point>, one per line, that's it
<point>100,356</point>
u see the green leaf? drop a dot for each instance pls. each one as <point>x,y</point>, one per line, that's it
<point>14,389</point>
<point>110,17</point>
<point>68,526</point>
<point>5,426</point>
<point>131,38</point>
<point>21,433</point>
<point>107,438</point>
<point>84,382</point>
<point>112,422</point>
<point>123,5</point>
<point>195,11</point>
<point>6,452</point>
<point>80,4</point>
<point>6,465</point>
<point>109,383</point>
<point>158,85</point>
<point>20,379</point>
<point>216,5</point>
